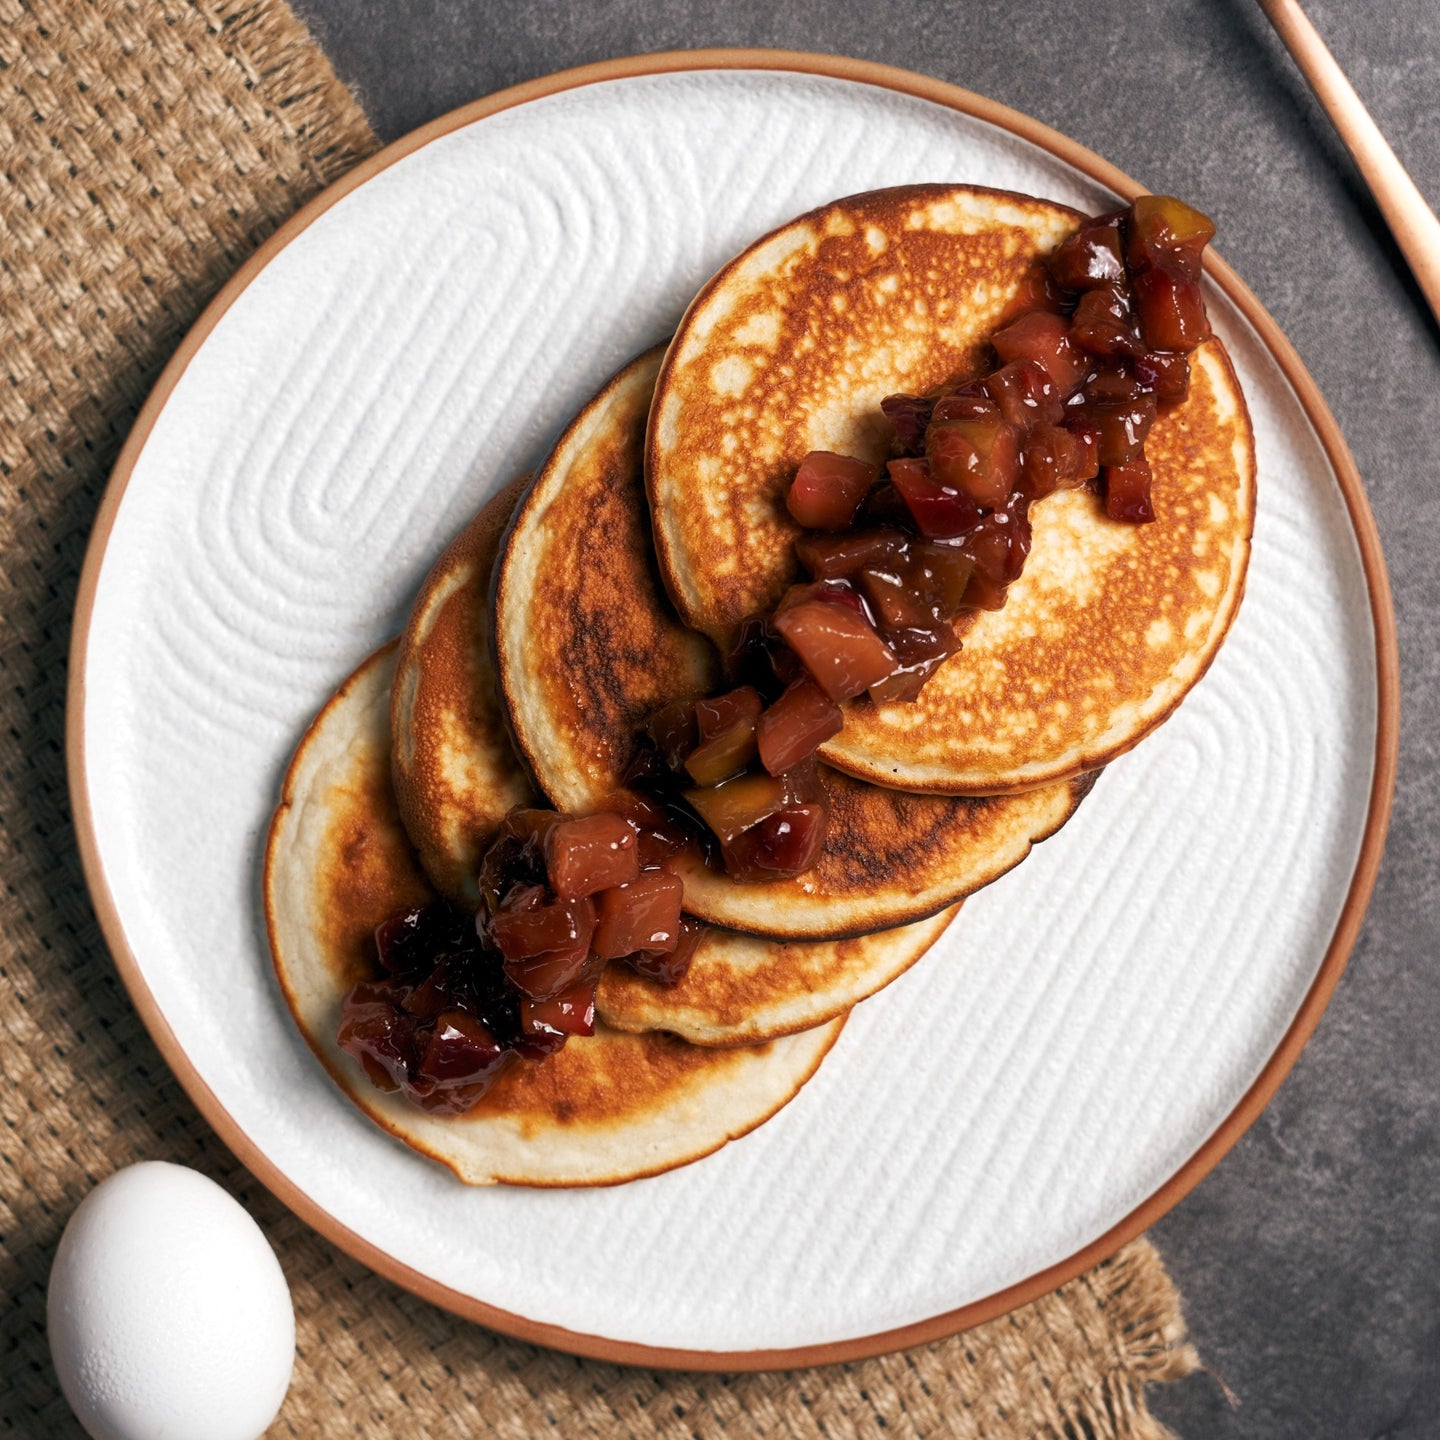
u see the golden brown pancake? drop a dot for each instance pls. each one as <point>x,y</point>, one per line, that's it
<point>791,348</point>
<point>743,988</point>
<point>454,771</point>
<point>587,646</point>
<point>607,1108</point>
<point>447,728</point>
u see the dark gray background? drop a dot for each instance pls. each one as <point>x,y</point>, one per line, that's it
<point>1310,1259</point>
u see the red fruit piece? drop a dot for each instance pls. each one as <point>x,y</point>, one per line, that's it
<point>939,574</point>
<point>1025,394</point>
<point>908,416</point>
<point>727,736</point>
<point>459,1050</point>
<point>1162,230</point>
<point>586,856</point>
<point>938,511</point>
<point>1164,374</point>
<point>1171,309</point>
<point>1127,491</point>
<point>377,1033</point>
<point>895,601</point>
<point>670,968</point>
<point>1090,257</point>
<point>644,915</point>
<point>796,725</point>
<point>1054,459</point>
<point>1103,323</point>
<point>833,557</point>
<point>827,489</point>
<point>788,842</point>
<point>1045,339</point>
<point>732,808</point>
<point>919,653</point>
<point>835,642</point>
<point>970,402</point>
<point>999,545</point>
<point>660,833</point>
<point>979,457</point>
<point>1120,427</point>
<point>545,1025</point>
<point>543,945</point>
<point>983,593</point>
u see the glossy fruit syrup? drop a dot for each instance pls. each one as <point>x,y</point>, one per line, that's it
<point>464,996</point>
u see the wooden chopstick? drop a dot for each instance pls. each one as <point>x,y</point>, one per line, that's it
<point>1411,220</point>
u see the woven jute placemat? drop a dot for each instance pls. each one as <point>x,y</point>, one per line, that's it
<point>146,147</point>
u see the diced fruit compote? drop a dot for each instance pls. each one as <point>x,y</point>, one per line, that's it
<point>1044,338</point>
<point>1162,230</point>
<point>796,725</point>
<point>1171,309</point>
<point>1093,256</point>
<point>583,857</point>
<point>834,639</point>
<point>834,557</point>
<point>1127,491</point>
<point>669,967</point>
<point>545,1025</point>
<point>467,995</point>
<point>1104,323</point>
<point>980,458</point>
<point>828,489</point>
<point>1055,458</point>
<point>937,510</point>
<point>643,915</point>
<point>909,415</point>
<point>544,942</point>
<point>920,653</point>
<point>726,726</point>
<point>1025,394</point>
<point>1164,375</point>
<point>768,826</point>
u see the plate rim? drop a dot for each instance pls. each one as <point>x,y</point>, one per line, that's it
<point>946,1323</point>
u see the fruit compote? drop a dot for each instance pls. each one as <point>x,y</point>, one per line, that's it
<point>1097,340</point>
<point>465,995</point>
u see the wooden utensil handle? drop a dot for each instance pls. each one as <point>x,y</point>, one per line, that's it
<point>1412,221</point>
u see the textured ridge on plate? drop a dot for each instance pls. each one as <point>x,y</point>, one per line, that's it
<point>1085,1027</point>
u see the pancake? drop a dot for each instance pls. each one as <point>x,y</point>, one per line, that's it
<point>743,988</point>
<point>454,771</point>
<point>607,1108</point>
<point>793,345</point>
<point>456,775</point>
<point>587,646</point>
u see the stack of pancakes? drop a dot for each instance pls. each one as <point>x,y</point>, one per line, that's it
<point>582,598</point>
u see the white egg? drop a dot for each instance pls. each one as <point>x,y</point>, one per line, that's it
<point>168,1313</point>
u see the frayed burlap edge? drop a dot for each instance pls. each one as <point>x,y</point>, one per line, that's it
<point>320,114</point>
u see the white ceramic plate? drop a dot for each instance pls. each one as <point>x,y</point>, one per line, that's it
<point>1009,1108</point>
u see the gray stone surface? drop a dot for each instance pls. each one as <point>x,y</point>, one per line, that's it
<point>1310,1259</point>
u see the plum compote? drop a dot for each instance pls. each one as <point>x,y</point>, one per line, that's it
<point>463,996</point>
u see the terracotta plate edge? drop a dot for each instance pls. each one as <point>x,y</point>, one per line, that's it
<point>949,1322</point>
